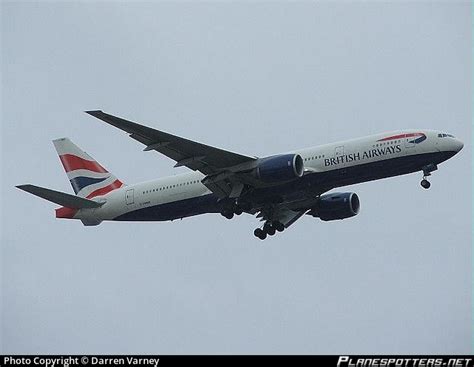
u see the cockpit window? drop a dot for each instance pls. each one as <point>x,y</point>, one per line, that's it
<point>445,136</point>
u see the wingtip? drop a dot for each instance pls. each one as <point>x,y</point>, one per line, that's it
<point>23,187</point>
<point>93,112</point>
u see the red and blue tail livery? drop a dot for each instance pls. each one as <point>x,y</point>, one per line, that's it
<point>87,177</point>
<point>277,189</point>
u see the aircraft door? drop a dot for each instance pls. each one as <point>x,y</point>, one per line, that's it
<point>410,142</point>
<point>341,164</point>
<point>129,197</point>
<point>339,151</point>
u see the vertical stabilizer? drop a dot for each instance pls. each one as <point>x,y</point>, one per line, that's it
<point>88,178</point>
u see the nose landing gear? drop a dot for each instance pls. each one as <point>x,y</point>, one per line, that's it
<point>427,172</point>
<point>425,183</point>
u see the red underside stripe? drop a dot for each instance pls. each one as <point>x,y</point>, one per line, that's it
<point>71,163</point>
<point>104,190</point>
<point>65,212</point>
<point>70,213</point>
<point>401,136</point>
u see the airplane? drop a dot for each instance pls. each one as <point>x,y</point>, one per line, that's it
<point>277,189</point>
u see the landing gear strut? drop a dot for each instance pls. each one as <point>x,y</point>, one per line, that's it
<point>427,172</point>
<point>269,228</point>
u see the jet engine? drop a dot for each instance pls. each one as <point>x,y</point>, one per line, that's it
<point>335,206</point>
<point>280,168</point>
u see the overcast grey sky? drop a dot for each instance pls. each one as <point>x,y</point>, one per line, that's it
<point>255,78</point>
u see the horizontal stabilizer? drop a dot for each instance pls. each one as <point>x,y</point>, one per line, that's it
<point>61,198</point>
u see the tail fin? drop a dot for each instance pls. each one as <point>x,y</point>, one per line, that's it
<point>88,178</point>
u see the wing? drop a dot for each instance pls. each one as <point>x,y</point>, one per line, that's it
<point>196,156</point>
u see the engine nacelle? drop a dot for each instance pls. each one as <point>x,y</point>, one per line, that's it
<point>280,168</point>
<point>335,206</point>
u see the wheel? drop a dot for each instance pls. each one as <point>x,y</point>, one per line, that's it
<point>425,184</point>
<point>228,215</point>
<point>260,234</point>
<point>279,226</point>
<point>268,228</point>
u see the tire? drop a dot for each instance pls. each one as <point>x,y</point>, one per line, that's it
<point>279,226</point>
<point>228,215</point>
<point>260,234</point>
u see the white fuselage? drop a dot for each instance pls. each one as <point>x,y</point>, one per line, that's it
<point>362,152</point>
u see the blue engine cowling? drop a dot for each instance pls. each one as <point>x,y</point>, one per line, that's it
<point>335,206</point>
<point>280,168</point>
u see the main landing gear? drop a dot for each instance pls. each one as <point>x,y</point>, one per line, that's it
<point>269,228</point>
<point>235,208</point>
<point>427,172</point>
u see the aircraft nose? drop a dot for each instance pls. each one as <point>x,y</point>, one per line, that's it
<point>457,145</point>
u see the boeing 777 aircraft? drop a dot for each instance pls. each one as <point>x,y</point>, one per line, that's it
<point>278,189</point>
